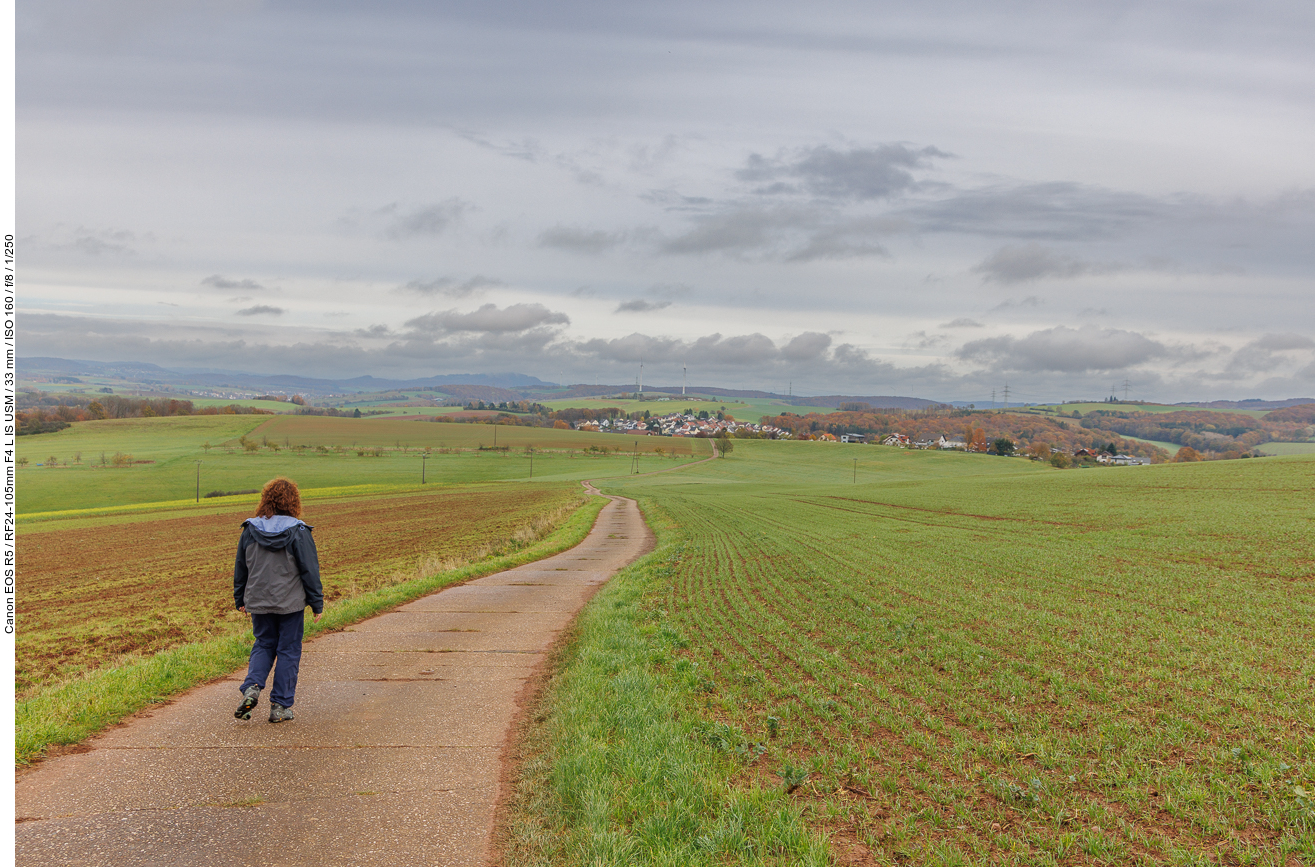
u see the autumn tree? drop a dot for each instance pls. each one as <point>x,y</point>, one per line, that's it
<point>1187,454</point>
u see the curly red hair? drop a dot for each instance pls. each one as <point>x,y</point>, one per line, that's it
<point>279,497</point>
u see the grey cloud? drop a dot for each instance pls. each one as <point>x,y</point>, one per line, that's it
<point>580,240</point>
<point>670,200</point>
<point>219,281</point>
<point>921,340</point>
<point>1048,211</point>
<point>633,348</point>
<point>488,319</point>
<point>1282,342</point>
<point>428,221</point>
<point>809,345</point>
<point>962,323</point>
<point>859,173</point>
<point>639,305</point>
<point>260,310</point>
<point>1011,304</point>
<point>844,239</point>
<point>711,350</point>
<point>451,287</point>
<point>1026,262</point>
<point>669,290</point>
<point>1264,354</point>
<point>374,332</point>
<point>1063,349</point>
<point>733,351</point>
<point>791,232</point>
<point>103,242</point>
<point>741,230</point>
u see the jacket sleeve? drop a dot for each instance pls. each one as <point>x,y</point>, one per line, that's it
<point>308,562</point>
<point>240,571</point>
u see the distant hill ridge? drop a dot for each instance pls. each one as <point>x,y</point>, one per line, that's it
<point>153,373</point>
<point>1251,403</point>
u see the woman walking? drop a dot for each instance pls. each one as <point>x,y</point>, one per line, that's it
<point>276,575</point>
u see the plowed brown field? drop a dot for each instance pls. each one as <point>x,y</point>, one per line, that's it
<point>94,594</point>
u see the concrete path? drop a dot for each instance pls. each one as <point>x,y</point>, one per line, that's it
<point>394,757</point>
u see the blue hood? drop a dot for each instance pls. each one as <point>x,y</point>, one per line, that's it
<point>275,525</point>
<point>275,533</point>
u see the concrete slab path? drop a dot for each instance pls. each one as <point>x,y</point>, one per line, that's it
<point>394,757</point>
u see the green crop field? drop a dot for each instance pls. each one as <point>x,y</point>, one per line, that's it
<point>956,659</point>
<point>1085,408</point>
<point>743,408</point>
<point>1171,448</point>
<point>1286,448</point>
<point>317,452</point>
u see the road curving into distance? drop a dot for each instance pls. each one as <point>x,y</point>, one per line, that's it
<point>395,757</point>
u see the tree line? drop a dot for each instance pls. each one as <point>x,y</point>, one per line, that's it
<point>42,413</point>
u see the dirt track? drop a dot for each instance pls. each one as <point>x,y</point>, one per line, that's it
<point>393,759</point>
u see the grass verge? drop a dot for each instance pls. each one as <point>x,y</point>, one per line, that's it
<point>73,711</point>
<point>616,769</point>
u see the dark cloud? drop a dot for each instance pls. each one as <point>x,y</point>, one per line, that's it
<point>1026,262</point>
<point>375,332</point>
<point>807,346</point>
<point>219,281</point>
<point>580,240</point>
<point>488,319</point>
<point>856,174</point>
<point>261,310</point>
<point>427,221</point>
<point>452,287</point>
<point>1063,349</point>
<point>639,305</point>
<point>962,323</point>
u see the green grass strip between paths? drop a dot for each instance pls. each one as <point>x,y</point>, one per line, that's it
<point>618,771</point>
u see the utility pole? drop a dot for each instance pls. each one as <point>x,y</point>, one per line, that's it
<point>198,481</point>
<point>423,459</point>
<point>855,470</point>
<point>1006,397</point>
<point>993,399</point>
<point>641,377</point>
<point>684,377</point>
<point>634,458</point>
<point>531,461</point>
<point>1125,390</point>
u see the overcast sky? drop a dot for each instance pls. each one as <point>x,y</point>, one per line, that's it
<point>932,199</point>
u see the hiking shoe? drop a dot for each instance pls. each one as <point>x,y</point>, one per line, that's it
<point>279,713</point>
<point>250,696</point>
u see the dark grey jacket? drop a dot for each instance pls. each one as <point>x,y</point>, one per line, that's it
<point>277,570</point>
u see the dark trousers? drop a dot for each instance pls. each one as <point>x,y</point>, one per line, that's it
<point>278,636</point>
